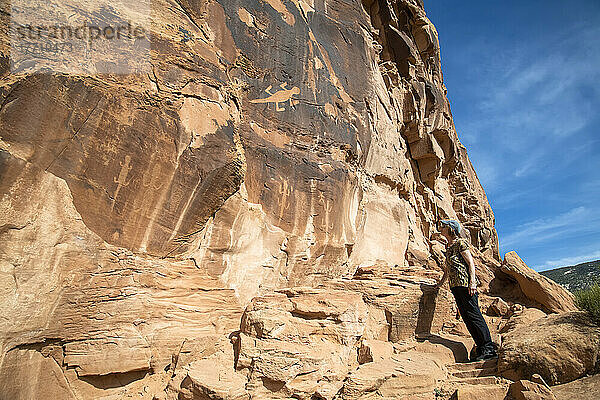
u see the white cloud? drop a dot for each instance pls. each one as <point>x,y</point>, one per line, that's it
<point>568,261</point>
<point>539,96</point>
<point>526,112</point>
<point>529,107</point>
<point>512,198</point>
<point>529,163</point>
<point>576,220</point>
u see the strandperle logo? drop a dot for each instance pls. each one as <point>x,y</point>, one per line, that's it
<point>76,37</point>
<point>84,32</point>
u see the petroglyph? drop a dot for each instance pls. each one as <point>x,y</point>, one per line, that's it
<point>280,96</point>
<point>121,180</point>
<point>286,15</point>
<point>246,17</point>
<point>284,192</point>
<point>328,208</point>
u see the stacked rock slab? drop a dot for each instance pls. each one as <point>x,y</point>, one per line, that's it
<point>271,144</point>
<point>335,341</point>
<point>545,293</point>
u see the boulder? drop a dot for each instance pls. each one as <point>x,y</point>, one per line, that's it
<point>479,392</point>
<point>520,318</point>
<point>301,341</point>
<point>528,390</point>
<point>374,350</point>
<point>406,297</point>
<point>204,368</point>
<point>315,342</point>
<point>536,287</point>
<point>401,376</point>
<point>28,374</point>
<point>108,355</point>
<point>560,348</point>
<point>213,379</point>
<point>498,308</point>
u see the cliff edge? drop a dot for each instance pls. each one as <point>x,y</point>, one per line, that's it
<point>270,145</point>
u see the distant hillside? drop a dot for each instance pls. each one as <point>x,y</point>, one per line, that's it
<point>575,277</point>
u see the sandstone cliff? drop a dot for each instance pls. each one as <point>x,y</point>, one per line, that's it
<point>273,144</point>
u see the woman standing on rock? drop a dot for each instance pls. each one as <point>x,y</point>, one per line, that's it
<point>460,270</point>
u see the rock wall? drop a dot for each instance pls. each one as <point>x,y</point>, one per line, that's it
<point>272,144</point>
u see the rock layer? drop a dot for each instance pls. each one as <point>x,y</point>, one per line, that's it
<point>273,144</point>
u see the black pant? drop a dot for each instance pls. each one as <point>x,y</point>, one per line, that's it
<point>469,310</point>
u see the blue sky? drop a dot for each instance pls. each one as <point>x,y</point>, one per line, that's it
<point>523,80</point>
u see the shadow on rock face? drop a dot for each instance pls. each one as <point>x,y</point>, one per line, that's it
<point>426,308</point>
<point>113,380</point>
<point>459,350</point>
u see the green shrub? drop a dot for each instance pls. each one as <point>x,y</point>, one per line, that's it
<point>589,300</point>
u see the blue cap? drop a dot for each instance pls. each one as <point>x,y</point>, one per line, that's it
<point>452,224</point>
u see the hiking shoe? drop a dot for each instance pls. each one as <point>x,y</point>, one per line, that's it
<point>486,355</point>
